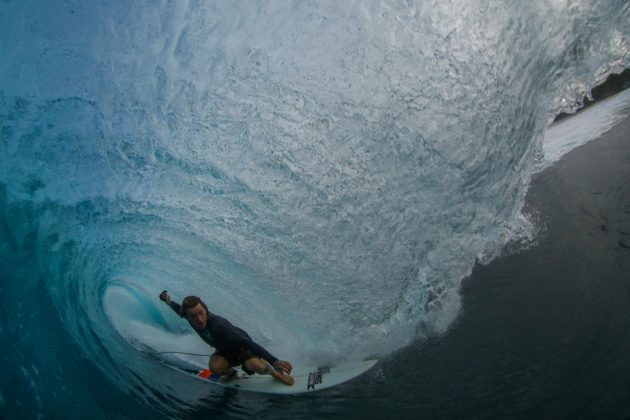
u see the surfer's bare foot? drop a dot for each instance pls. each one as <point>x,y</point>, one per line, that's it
<point>285,379</point>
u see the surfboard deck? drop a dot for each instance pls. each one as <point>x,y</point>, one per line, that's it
<point>307,379</point>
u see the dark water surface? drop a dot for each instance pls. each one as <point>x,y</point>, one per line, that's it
<point>545,332</point>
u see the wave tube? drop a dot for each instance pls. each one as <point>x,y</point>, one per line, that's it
<point>322,175</point>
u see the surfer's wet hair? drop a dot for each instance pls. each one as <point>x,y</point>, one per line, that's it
<point>190,302</point>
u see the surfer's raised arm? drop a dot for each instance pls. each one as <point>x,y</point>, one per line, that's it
<point>234,346</point>
<point>174,305</point>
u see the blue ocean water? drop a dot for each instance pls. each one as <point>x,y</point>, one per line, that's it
<point>324,175</point>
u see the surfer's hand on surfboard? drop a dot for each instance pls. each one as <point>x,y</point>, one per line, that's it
<point>283,366</point>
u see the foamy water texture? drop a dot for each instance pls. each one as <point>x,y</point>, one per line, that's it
<point>323,175</point>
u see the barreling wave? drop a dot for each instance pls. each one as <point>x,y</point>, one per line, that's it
<point>323,175</point>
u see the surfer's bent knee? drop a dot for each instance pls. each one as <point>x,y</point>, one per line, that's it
<point>218,363</point>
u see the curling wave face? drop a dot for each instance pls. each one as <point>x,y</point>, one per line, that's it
<point>324,175</point>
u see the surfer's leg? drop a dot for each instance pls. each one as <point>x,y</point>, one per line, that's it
<point>260,366</point>
<point>219,364</point>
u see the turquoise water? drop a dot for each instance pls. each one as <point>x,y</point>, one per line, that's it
<point>325,176</point>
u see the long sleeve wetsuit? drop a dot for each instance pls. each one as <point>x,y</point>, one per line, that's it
<point>223,336</point>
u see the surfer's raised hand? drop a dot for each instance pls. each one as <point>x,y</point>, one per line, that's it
<point>165,297</point>
<point>283,366</point>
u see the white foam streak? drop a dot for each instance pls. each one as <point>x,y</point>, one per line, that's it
<point>567,134</point>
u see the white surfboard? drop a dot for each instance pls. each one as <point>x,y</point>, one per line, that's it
<point>307,379</point>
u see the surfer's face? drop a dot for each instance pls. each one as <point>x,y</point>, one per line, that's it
<point>197,316</point>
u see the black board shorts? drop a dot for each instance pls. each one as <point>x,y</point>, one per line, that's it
<point>237,358</point>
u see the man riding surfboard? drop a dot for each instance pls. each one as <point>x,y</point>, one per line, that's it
<point>234,347</point>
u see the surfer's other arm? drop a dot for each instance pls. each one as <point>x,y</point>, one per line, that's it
<point>235,337</point>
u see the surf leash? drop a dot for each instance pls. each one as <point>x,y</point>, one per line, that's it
<point>153,353</point>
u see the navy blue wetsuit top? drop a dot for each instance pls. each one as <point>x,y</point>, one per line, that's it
<point>224,336</point>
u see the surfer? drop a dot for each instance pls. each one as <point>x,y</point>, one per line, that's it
<point>233,346</point>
